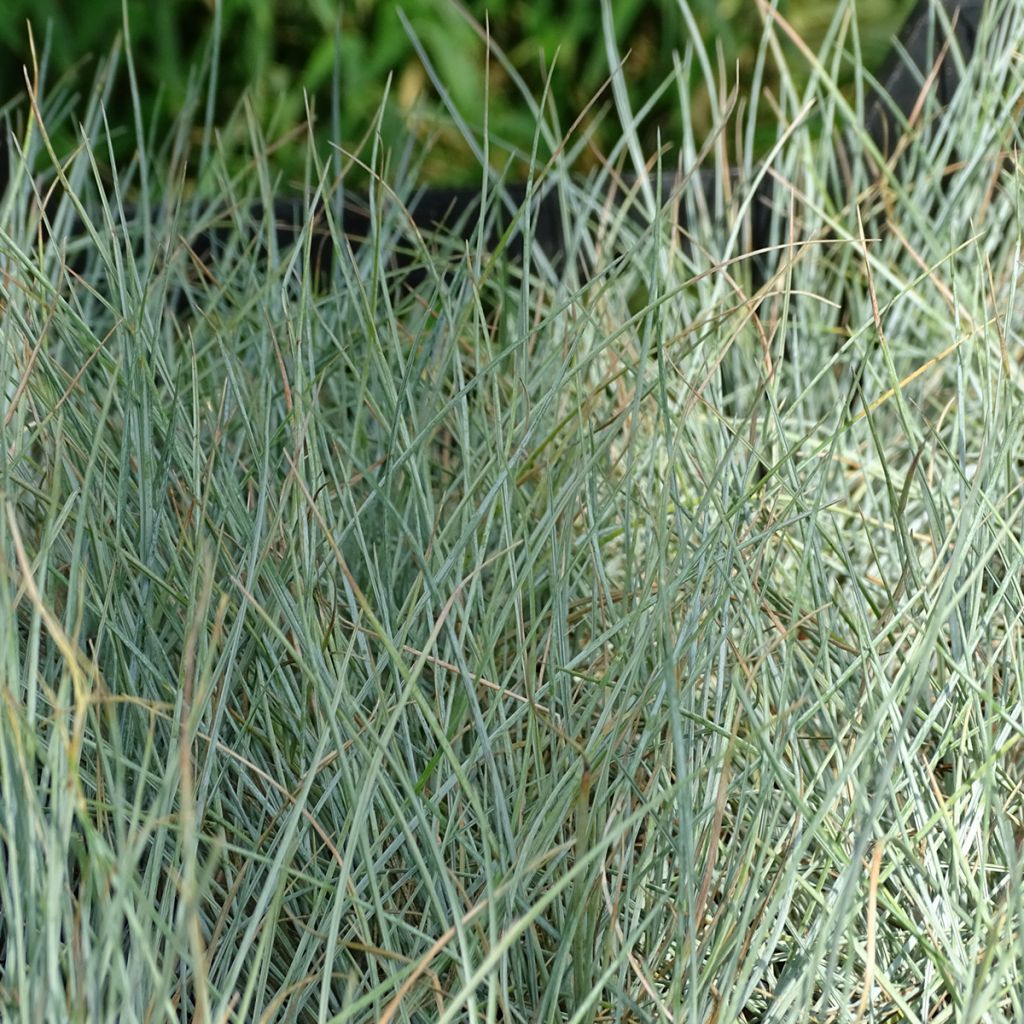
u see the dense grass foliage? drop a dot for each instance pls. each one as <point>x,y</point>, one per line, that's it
<point>519,648</point>
<point>283,54</point>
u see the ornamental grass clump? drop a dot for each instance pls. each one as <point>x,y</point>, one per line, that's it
<point>631,637</point>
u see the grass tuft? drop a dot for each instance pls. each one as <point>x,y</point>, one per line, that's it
<point>525,645</point>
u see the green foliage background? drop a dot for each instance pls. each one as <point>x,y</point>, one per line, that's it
<point>278,51</point>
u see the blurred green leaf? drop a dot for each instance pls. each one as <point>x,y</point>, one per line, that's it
<point>277,53</point>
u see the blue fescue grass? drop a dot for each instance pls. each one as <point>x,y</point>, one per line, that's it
<point>474,653</point>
